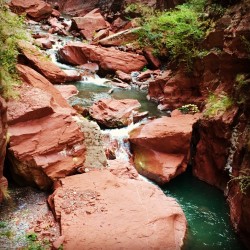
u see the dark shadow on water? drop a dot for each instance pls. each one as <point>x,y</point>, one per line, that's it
<point>207,213</point>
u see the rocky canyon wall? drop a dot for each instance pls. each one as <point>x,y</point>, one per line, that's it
<point>78,7</point>
<point>3,140</point>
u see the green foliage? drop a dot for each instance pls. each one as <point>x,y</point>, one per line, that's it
<point>243,179</point>
<point>5,192</point>
<point>3,224</point>
<point>11,31</point>
<point>217,104</point>
<point>241,89</point>
<point>175,33</point>
<point>34,244</point>
<point>246,44</point>
<point>189,109</point>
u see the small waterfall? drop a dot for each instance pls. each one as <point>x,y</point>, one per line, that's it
<point>233,148</point>
<point>118,140</point>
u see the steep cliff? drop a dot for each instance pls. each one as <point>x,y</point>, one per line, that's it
<point>3,141</point>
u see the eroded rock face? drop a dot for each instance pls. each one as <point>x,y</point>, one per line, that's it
<point>35,9</point>
<point>35,59</point>
<point>47,139</point>
<point>161,147</point>
<point>108,59</point>
<point>114,113</point>
<point>3,141</point>
<point>128,214</point>
<point>212,150</point>
<point>89,24</point>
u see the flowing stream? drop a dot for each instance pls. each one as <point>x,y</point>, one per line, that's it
<point>205,207</point>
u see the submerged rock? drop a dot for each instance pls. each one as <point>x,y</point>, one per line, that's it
<point>114,113</point>
<point>116,213</point>
<point>108,59</point>
<point>161,147</point>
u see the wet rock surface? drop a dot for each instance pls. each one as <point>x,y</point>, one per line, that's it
<point>160,147</point>
<point>114,113</point>
<point>108,59</point>
<point>107,214</point>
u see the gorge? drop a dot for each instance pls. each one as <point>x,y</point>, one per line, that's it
<point>83,139</point>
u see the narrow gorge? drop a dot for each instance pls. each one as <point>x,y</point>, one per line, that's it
<point>124,124</point>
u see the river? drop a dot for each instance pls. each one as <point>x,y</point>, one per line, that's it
<point>205,207</point>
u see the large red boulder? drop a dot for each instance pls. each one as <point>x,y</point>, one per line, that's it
<point>89,24</point>
<point>161,147</point>
<point>3,141</point>
<point>35,59</point>
<point>35,9</point>
<point>116,213</point>
<point>48,140</point>
<point>45,143</point>
<point>114,113</point>
<point>109,59</point>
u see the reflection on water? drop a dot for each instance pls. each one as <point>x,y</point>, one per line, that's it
<point>207,214</point>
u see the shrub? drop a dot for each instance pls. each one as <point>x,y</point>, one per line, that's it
<point>243,179</point>
<point>217,104</point>
<point>175,33</point>
<point>11,31</point>
<point>189,109</point>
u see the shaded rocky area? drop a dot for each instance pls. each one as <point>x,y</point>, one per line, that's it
<point>49,140</point>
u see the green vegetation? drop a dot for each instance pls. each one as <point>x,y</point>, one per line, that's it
<point>176,33</point>
<point>5,192</point>
<point>11,31</point>
<point>189,109</point>
<point>33,243</point>
<point>217,104</point>
<point>243,179</point>
<point>241,89</point>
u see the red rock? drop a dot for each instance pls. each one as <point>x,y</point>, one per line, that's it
<point>67,91</point>
<point>122,169</point>
<point>3,142</point>
<point>156,86</point>
<point>118,24</point>
<point>161,147</point>
<point>153,61</point>
<point>33,78</point>
<point>128,214</point>
<point>43,136</point>
<point>120,38</point>
<point>55,24</point>
<point>92,67</point>
<point>109,59</point>
<point>100,35</point>
<point>55,13</point>
<point>58,243</point>
<point>89,24</point>
<point>36,9</point>
<point>43,65</point>
<point>123,76</point>
<point>114,113</point>
<point>44,43</point>
<point>144,75</point>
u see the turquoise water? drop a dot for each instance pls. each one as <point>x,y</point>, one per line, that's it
<point>90,93</point>
<point>207,214</point>
<point>205,207</point>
